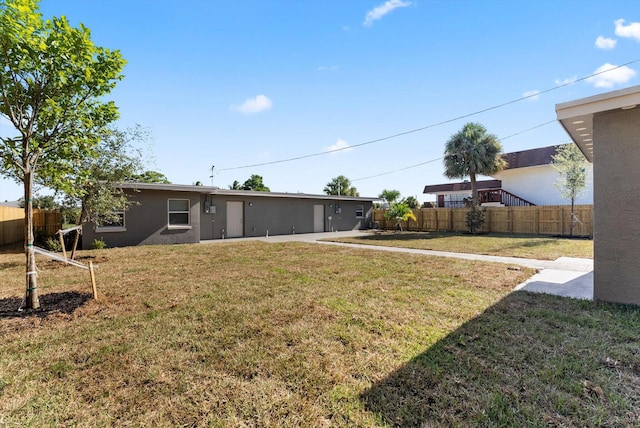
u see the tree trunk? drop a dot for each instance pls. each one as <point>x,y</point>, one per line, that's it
<point>474,189</point>
<point>31,297</point>
<point>573,201</point>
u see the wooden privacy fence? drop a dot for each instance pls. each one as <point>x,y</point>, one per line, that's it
<point>534,220</point>
<point>45,224</point>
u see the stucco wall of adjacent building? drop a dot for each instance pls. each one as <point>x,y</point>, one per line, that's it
<point>616,155</point>
<point>537,184</point>
<point>146,222</point>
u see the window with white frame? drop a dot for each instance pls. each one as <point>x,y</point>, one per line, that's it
<point>113,222</point>
<point>359,211</point>
<point>179,213</point>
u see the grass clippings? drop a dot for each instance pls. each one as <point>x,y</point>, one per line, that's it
<point>529,247</point>
<point>293,334</point>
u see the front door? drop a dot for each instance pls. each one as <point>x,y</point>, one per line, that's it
<point>235,219</point>
<point>318,218</point>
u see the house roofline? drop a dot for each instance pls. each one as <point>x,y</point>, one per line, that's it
<point>213,190</point>
<point>576,117</point>
<point>532,157</point>
<point>462,186</point>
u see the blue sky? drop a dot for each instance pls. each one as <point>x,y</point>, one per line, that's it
<point>237,83</point>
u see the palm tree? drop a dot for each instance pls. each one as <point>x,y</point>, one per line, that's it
<point>389,196</point>
<point>400,212</point>
<point>340,185</point>
<point>472,151</point>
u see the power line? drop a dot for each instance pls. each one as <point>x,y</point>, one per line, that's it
<point>397,170</point>
<point>433,125</point>
<point>440,158</point>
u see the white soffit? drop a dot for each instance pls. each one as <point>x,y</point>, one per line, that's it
<point>576,117</point>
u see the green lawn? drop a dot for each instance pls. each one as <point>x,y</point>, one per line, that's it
<point>294,334</point>
<point>530,247</point>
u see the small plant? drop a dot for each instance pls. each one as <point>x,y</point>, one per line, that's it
<point>475,219</point>
<point>53,244</point>
<point>400,212</point>
<point>98,244</point>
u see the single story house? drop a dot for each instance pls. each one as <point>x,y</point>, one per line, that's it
<point>606,127</point>
<point>177,214</point>
<point>528,179</point>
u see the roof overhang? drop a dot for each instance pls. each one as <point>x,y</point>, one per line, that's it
<point>212,190</point>
<point>576,117</point>
<point>462,186</point>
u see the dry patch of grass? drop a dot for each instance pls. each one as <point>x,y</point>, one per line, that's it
<point>530,247</point>
<point>257,334</point>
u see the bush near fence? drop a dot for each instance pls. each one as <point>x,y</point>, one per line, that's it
<point>535,220</point>
<point>45,224</point>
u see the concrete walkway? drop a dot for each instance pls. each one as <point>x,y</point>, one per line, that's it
<point>566,276</point>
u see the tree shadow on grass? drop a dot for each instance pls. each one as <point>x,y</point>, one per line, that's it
<point>51,303</point>
<point>529,360</point>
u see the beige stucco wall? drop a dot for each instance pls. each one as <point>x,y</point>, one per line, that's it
<point>616,136</point>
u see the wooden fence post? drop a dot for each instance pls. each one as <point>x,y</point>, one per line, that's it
<point>510,220</point>
<point>64,252</point>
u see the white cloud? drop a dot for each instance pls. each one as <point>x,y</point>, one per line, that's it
<point>254,105</point>
<point>328,68</point>
<point>631,31</point>
<point>379,11</point>
<point>605,43</point>
<point>567,81</point>
<point>339,146</point>
<point>531,95</point>
<point>608,79</point>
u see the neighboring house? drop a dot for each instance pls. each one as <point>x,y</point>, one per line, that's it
<point>455,195</point>
<point>528,179</point>
<point>176,214</point>
<point>606,127</point>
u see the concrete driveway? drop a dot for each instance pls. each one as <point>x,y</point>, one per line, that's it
<point>566,276</point>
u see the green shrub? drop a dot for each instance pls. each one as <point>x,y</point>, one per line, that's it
<point>53,244</point>
<point>475,219</point>
<point>98,244</point>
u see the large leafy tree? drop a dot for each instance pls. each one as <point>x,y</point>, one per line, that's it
<point>255,183</point>
<point>46,202</point>
<point>412,202</point>
<point>114,160</point>
<point>150,176</point>
<point>340,185</point>
<point>572,167</point>
<point>53,80</point>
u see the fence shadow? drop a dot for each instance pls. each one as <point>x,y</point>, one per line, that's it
<point>51,303</point>
<point>512,364</point>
